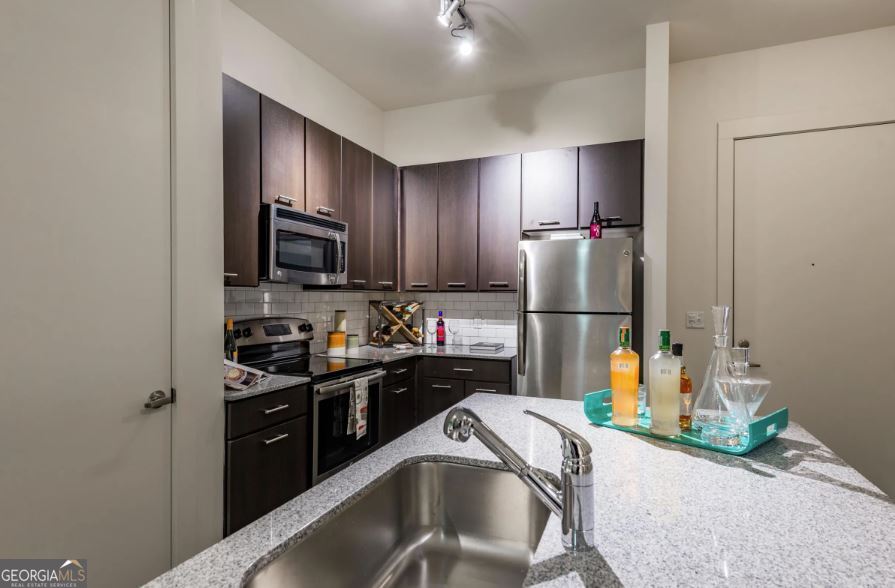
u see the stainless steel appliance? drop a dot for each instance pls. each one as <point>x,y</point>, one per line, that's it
<point>281,345</point>
<point>574,294</point>
<point>301,248</point>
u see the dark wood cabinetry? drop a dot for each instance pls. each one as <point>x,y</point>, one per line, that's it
<point>267,454</point>
<point>242,182</point>
<point>458,205</point>
<point>500,201</point>
<point>446,381</point>
<point>550,189</point>
<point>419,226</point>
<point>437,395</point>
<point>384,250</point>
<point>357,202</point>
<point>611,174</point>
<point>282,154</point>
<point>323,170</point>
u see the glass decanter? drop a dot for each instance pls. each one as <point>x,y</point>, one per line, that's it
<point>709,408</point>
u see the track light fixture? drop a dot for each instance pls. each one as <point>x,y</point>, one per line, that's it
<point>448,10</point>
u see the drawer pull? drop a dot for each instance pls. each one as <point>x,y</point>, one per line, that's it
<point>456,284</point>
<point>442,386</point>
<point>464,370</point>
<point>358,281</point>
<point>399,372</point>
<point>499,284</point>
<point>419,284</point>
<point>547,223</point>
<point>399,390</point>
<point>273,440</point>
<point>275,409</point>
<point>492,390</point>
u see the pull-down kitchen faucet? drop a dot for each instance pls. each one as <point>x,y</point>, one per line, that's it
<point>572,502</point>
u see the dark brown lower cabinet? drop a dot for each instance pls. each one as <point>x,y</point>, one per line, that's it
<point>264,470</point>
<point>437,395</point>
<point>486,387</point>
<point>398,410</point>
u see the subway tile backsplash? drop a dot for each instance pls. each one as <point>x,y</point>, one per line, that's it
<point>482,316</point>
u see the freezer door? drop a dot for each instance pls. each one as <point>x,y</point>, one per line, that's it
<point>580,275</point>
<point>565,355</point>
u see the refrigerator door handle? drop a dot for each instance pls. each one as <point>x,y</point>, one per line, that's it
<point>523,279</point>
<point>520,343</point>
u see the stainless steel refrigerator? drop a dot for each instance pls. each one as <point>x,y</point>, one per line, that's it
<point>573,297</point>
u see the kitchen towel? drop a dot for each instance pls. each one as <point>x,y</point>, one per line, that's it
<point>361,396</point>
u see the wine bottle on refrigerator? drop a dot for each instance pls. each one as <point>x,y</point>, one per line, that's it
<point>596,223</point>
<point>439,330</point>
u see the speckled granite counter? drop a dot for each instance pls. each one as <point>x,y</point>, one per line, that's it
<point>388,354</point>
<point>791,513</point>
<point>272,384</point>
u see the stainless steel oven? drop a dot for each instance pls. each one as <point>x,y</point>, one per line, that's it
<point>301,248</point>
<point>334,448</point>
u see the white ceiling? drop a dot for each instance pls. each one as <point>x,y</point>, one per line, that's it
<point>394,53</point>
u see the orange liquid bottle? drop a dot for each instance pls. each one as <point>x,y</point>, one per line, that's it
<point>624,378</point>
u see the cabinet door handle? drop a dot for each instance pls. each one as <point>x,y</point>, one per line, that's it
<point>492,390</point>
<point>287,200</point>
<point>442,387</point>
<point>400,371</point>
<point>499,284</point>
<point>419,284</point>
<point>399,390</point>
<point>273,440</point>
<point>547,223</point>
<point>463,370</point>
<point>325,210</point>
<point>275,409</point>
<point>456,284</point>
<point>358,281</point>
<point>229,275</point>
<point>386,284</point>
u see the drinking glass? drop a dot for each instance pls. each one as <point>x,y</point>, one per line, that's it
<point>453,329</point>
<point>431,329</point>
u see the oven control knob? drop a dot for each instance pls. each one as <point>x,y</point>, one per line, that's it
<point>302,328</point>
<point>247,332</point>
<point>309,327</point>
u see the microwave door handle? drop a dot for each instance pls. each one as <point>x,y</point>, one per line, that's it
<point>338,241</point>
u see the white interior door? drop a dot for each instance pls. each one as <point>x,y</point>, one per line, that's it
<point>86,288</point>
<point>814,272</point>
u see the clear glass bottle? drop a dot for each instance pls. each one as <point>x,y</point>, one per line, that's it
<point>709,408</point>
<point>624,378</point>
<point>665,389</point>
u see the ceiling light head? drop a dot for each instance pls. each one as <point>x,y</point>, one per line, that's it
<point>446,13</point>
<point>466,47</point>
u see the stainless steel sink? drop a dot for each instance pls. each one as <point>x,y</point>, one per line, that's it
<point>428,524</point>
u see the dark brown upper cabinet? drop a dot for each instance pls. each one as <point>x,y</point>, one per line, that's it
<point>611,174</point>
<point>384,262</point>
<point>458,224</point>
<point>500,202</point>
<point>419,226</point>
<point>550,189</point>
<point>242,182</point>
<point>357,201</point>
<point>282,155</point>
<point>323,170</point>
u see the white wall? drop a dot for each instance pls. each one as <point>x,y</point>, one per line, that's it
<point>812,75</point>
<point>597,109</point>
<point>257,57</point>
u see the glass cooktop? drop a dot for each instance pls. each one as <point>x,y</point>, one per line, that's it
<point>317,367</point>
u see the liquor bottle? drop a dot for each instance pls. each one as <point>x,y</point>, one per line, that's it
<point>686,419</point>
<point>596,223</point>
<point>624,377</point>
<point>439,330</point>
<point>665,389</point>
<point>230,342</point>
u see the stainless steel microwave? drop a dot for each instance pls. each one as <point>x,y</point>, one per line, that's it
<point>301,248</point>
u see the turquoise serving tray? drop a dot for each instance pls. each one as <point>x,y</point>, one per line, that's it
<point>761,430</point>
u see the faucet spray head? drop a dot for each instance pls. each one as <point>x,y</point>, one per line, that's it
<point>458,424</point>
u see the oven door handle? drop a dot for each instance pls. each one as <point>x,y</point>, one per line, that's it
<point>345,384</point>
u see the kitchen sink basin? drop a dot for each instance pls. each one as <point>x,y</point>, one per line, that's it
<point>428,524</point>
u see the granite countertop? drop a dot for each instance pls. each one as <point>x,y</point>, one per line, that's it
<point>271,384</point>
<point>389,354</point>
<point>790,513</point>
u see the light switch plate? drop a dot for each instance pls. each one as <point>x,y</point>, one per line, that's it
<point>695,319</point>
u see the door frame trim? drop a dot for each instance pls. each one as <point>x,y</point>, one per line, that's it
<point>731,131</point>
